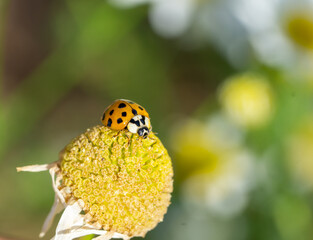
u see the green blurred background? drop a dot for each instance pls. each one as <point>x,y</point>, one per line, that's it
<point>228,85</point>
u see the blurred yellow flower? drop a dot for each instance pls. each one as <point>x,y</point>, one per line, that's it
<point>113,184</point>
<point>299,150</point>
<point>247,99</point>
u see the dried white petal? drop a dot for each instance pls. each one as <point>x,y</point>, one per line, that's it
<point>108,236</point>
<point>36,168</point>
<point>59,201</point>
<point>57,207</point>
<point>72,225</point>
<point>56,182</point>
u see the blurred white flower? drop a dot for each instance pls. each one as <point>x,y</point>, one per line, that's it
<point>197,22</point>
<point>218,172</point>
<point>195,143</point>
<point>276,32</point>
<point>171,18</point>
<point>280,32</point>
<point>128,3</point>
<point>224,190</point>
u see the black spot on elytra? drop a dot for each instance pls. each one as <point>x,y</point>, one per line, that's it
<point>140,108</point>
<point>119,120</point>
<point>109,122</point>
<point>103,116</point>
<point>124,114</point>
<point>112,111</point>
<point>121,105</point>
<point>134,112</point>
<point>143,119</point>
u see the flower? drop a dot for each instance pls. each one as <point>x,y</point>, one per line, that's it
<point>283,36</point>
<point>113,184</point>
<point>172,18</point>
<point>169,18</point>
<point>247,99</point>
<point>195,143</point>
<point>128,3</point>
<point>217,171</point>
<point>224,191</point>
<point>299,27</point>
<point>278,33</point>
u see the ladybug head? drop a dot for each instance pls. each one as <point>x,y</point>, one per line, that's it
<point>139,124</point>
<point>143,132</point>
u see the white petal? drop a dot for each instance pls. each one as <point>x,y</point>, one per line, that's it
<point>56,181</point>
<point>70,218</point>
<point>56,208</point>
<point>36,168</point>
<point>72,225</point>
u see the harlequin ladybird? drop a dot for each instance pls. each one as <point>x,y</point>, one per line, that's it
<point>125,114</point>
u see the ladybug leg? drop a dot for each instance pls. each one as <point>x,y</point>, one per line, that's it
<point>149,136</point>
<point>127,135</point>
<point>117,133</point>
<point>129,140</point>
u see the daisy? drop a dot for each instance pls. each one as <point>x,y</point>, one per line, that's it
<point>278,33</point>
<point>169,18</point>
<point>224,190</point>
<point>111,184</point>
<point>218,172</point>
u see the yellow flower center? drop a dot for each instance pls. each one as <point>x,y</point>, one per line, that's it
<point>124,181</point>
<point>300,30</point>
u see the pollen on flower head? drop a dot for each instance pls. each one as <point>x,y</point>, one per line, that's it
<point>122,182</point>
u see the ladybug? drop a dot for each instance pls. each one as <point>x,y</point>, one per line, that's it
<point>125,114</point>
